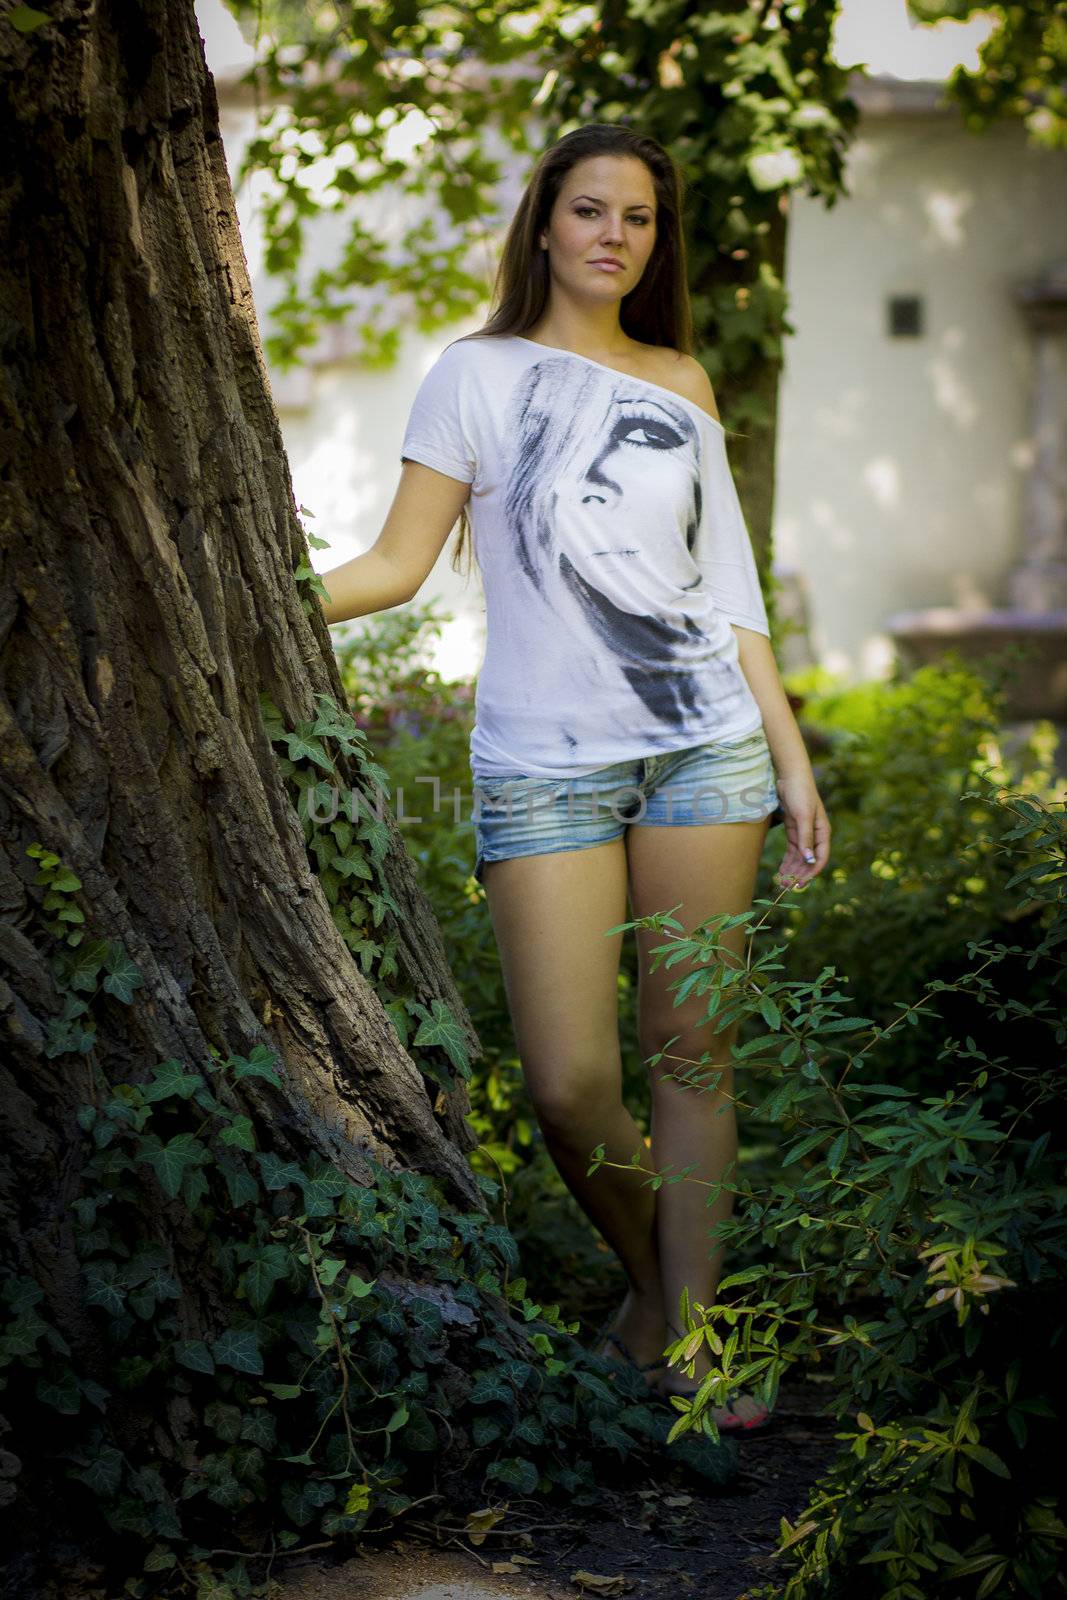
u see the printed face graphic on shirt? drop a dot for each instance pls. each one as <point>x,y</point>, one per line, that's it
<point>604,500</point>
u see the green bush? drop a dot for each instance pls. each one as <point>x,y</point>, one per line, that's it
<point>908,1246</point>
<point>915,870</point>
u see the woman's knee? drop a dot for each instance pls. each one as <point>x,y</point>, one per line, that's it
<point>571,1094</point>
<point>699,1055</point>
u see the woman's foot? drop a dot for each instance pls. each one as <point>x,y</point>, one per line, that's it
<point>636,1336</point>
<point>742,1413</point>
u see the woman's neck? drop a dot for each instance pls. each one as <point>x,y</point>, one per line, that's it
<point>598,338</point>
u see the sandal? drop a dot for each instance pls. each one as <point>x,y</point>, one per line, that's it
<point>734,1424</point>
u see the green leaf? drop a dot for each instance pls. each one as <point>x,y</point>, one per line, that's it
<point>261,1063</point>
<point>240,1133</point>
<point>442,1029</point>
<point>988,1459</point>
<point>772,1016</point>
<point>26,19</point>
<point>284,1391</point>
<point>836,1151</point>
<point>269,1267</point>
<point>240,1184</point>
<point>516,1472</point>
<point>123,976</point>
<point>62,1394</point>
<point>278,1174</point>
<point>301,748</point>
<point>238,1348</point>
<point>171,1161</point>
<point>321,1186</point>
<point>194,1354</point>
<point>104,1287</point>
<point>171,1081</point>
<point>104,1473</point>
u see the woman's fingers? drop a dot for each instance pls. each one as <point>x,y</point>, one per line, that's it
<point>808,852</point>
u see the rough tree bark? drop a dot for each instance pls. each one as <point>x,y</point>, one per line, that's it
<point>149,539</point>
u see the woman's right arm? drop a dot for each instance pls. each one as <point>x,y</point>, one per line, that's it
<point>420,519</point>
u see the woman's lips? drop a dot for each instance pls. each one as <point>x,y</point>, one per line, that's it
<point>607,266</point>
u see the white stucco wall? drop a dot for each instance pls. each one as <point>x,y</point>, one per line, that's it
<point>901,461</point>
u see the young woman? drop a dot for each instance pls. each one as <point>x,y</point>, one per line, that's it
<point>633,741</point>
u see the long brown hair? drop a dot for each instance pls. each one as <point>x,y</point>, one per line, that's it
<point>656,311</point>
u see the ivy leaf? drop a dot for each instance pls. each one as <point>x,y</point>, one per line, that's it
<point>278,1174</point>
<point>240,1184</point>
<point>62,1394</point>
<point>352,866</point>
<point>261,1063</point>
<point>321,1186</point>
<point>238,1348</point>
<point>104,1473</point>
<point>488,1386</point>
<point>240,1133</point>
<point>171,1161</point>
<point>516,1472</point>
<point>84,968</point>
<point>498,1235</point>
<point>442,1029</point>
<point>194,1187</point>
<point>273,720</point>
<point>301,747</point>
<point>374,832</point>
<point>194,1354</point>
<point>269,1267</point>
<point>171,1081</point>
<point>103,1287</point>
<point>123,975</point>
<point>259,1428</point>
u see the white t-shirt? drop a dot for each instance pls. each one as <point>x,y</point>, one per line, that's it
<point>613,554</point>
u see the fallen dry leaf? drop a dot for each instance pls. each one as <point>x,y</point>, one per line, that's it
<point>599,1583</point>
<point>480,1522</point>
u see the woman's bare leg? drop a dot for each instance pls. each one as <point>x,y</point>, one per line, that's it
<point>710,869</point>
<point>549,915</point>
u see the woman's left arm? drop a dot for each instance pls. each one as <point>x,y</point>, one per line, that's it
<point>807,826</point>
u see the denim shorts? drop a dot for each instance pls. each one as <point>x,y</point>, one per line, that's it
<point>728,780</point>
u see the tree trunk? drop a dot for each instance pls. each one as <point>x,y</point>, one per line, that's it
<point>150,540</point>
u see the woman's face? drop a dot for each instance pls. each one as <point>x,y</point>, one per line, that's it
<point>627,502</point>
<point>606,206</point>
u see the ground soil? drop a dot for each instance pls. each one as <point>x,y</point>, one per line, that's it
<point>668,1538</point>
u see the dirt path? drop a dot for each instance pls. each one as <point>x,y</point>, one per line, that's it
<point>656,1541</point>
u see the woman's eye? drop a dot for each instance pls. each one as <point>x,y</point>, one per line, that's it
<point>590,211</point>
<point>658,436</point>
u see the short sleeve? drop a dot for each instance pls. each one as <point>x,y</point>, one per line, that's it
<point>723,548</point>
<point>440,430</point>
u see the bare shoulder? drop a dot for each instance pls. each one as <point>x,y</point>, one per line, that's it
<point>685,375</point>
